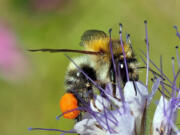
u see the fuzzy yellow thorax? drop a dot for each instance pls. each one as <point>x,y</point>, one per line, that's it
<point>103,45</point>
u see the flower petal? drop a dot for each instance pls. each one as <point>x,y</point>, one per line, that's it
<point>126,124</point>
<point>135,100</point>
<point>163,117</point>
<point>99,103</point>
<point>136,96</point>
<point>88,127</point>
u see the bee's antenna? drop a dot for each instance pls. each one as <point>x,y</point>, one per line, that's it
<point>65,50</point>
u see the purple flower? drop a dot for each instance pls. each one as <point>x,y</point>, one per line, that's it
<point>118,120</point>
<point>164,118</point>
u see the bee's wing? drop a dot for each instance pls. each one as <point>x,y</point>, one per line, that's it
<point>90,35</point>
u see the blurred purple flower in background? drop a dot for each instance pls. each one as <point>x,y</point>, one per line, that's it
<point>13,63</point>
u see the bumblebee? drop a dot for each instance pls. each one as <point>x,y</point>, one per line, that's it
<point>97,63</point>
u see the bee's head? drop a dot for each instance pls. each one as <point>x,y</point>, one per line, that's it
<point>99,41</point>
<point>118,51</point>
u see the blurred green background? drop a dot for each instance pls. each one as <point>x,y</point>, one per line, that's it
<point>34,101</point>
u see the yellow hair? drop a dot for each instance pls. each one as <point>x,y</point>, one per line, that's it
<point>102,45</point>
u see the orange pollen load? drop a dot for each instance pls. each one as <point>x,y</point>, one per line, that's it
<point>67,103</point>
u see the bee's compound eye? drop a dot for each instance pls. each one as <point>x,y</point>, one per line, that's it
<point>67,103</point>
